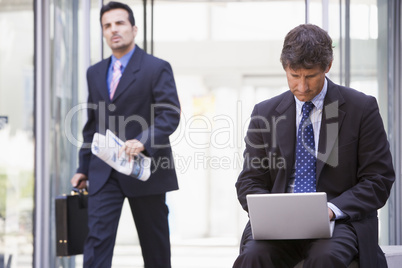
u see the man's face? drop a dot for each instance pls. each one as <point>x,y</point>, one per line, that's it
<point>118,31</point>
<point>305,84</point>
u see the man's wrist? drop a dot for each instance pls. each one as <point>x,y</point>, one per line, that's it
<point>338,214</point>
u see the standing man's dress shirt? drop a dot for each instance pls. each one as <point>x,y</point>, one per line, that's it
<point>123,60</point>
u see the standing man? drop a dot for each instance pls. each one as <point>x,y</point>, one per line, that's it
<point>134,95</point>
<point>340,134</point>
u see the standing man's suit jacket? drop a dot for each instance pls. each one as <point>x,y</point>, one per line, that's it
<point>145,107</point>
<point>354,165</point>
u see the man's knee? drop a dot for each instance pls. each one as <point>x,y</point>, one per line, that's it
<point>326,259</point>
<point>260,254</point>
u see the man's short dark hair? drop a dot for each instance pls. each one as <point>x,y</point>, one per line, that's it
<point>115,5</point>
<point>307,46</point>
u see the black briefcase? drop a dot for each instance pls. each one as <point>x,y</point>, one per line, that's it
<point>71,223</point>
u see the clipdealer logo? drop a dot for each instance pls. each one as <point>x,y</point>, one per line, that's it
<point>200,133</point>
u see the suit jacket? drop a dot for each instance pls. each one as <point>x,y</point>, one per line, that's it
<point>354,165</point>
<point>145,107</point>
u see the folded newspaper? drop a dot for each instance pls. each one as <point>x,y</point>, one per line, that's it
<point>107,148</point>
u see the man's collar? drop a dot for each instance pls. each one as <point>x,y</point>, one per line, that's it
<point>123,60</point>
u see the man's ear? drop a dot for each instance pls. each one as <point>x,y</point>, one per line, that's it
<point>135,29</point>
<point>329,67</point>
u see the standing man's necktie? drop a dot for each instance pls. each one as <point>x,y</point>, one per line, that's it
<point>116,78</point>
<point>305,180</point>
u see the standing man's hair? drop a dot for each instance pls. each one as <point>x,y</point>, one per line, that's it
<point>115,5</point>
<point>307,46</point>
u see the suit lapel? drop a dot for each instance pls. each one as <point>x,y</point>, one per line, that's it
<point>101,84</point>
<point>130,72</point>
<point>286,132</point>
<point>331,124</point>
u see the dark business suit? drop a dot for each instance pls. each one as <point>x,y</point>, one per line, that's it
<point>145,107</point>
<point>354,165</point>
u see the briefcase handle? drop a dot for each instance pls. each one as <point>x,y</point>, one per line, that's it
<point>83,202</point>
<point>77,191</point>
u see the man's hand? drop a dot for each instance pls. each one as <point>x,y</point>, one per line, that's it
<point>132,148</point>
<point>79,181</point>
<point>331,214</point>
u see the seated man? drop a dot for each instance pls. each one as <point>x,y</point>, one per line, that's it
<point>331,139</point>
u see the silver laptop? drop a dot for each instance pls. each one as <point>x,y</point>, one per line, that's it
<point>289,216</point>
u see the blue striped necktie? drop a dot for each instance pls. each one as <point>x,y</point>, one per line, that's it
<point>305,176</point>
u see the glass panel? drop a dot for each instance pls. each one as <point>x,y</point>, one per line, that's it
<point>315,9</point>
<point>66,75</point>
<point>368,64</point>
<point>16,133</point>
<point>95,33</point>
<point>225,56</point>
<point>364,37</point>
